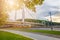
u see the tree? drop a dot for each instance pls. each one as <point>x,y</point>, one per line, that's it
<point>3,18</point>
<point>3,14</point>
<point>30,4</point>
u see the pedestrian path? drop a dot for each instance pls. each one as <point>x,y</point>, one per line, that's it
<point>32,35</point>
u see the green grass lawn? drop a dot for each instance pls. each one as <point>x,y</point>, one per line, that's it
<point>38,31</point>
<point>46,31</point>
<point>11,36</point>
<point>42,31</point>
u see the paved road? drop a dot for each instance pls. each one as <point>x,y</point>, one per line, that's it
<point>57,29</point>
<point>32,35</point>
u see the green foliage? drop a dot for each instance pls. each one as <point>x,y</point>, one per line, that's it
<point>36,2</point>
<point>11,36</point>
<point>40,21</point>
<point>3,13</point>
<point>34,20</point>
<point>44,21</point>
<point>3,18</point>
<point>31,4</point>
<point>42,31</point>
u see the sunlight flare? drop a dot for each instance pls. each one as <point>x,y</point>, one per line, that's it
<point>10,2</point>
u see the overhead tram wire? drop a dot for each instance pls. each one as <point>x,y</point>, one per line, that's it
<point>30,14</point>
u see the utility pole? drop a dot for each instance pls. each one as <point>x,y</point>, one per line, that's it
<point>51,21</point>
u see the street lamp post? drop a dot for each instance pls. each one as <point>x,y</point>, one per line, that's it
<point>51,21</point>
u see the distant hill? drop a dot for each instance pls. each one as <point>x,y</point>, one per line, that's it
<point>40,21</point>
<point>46,23</point>
<point>32,20</point>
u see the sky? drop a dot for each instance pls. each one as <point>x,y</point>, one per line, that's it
<point>42,11</point>
<point>48,6</point>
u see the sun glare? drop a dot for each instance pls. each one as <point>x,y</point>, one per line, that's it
<point>10,2</point>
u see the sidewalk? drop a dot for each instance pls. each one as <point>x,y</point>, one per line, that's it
<point>32,35</point>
